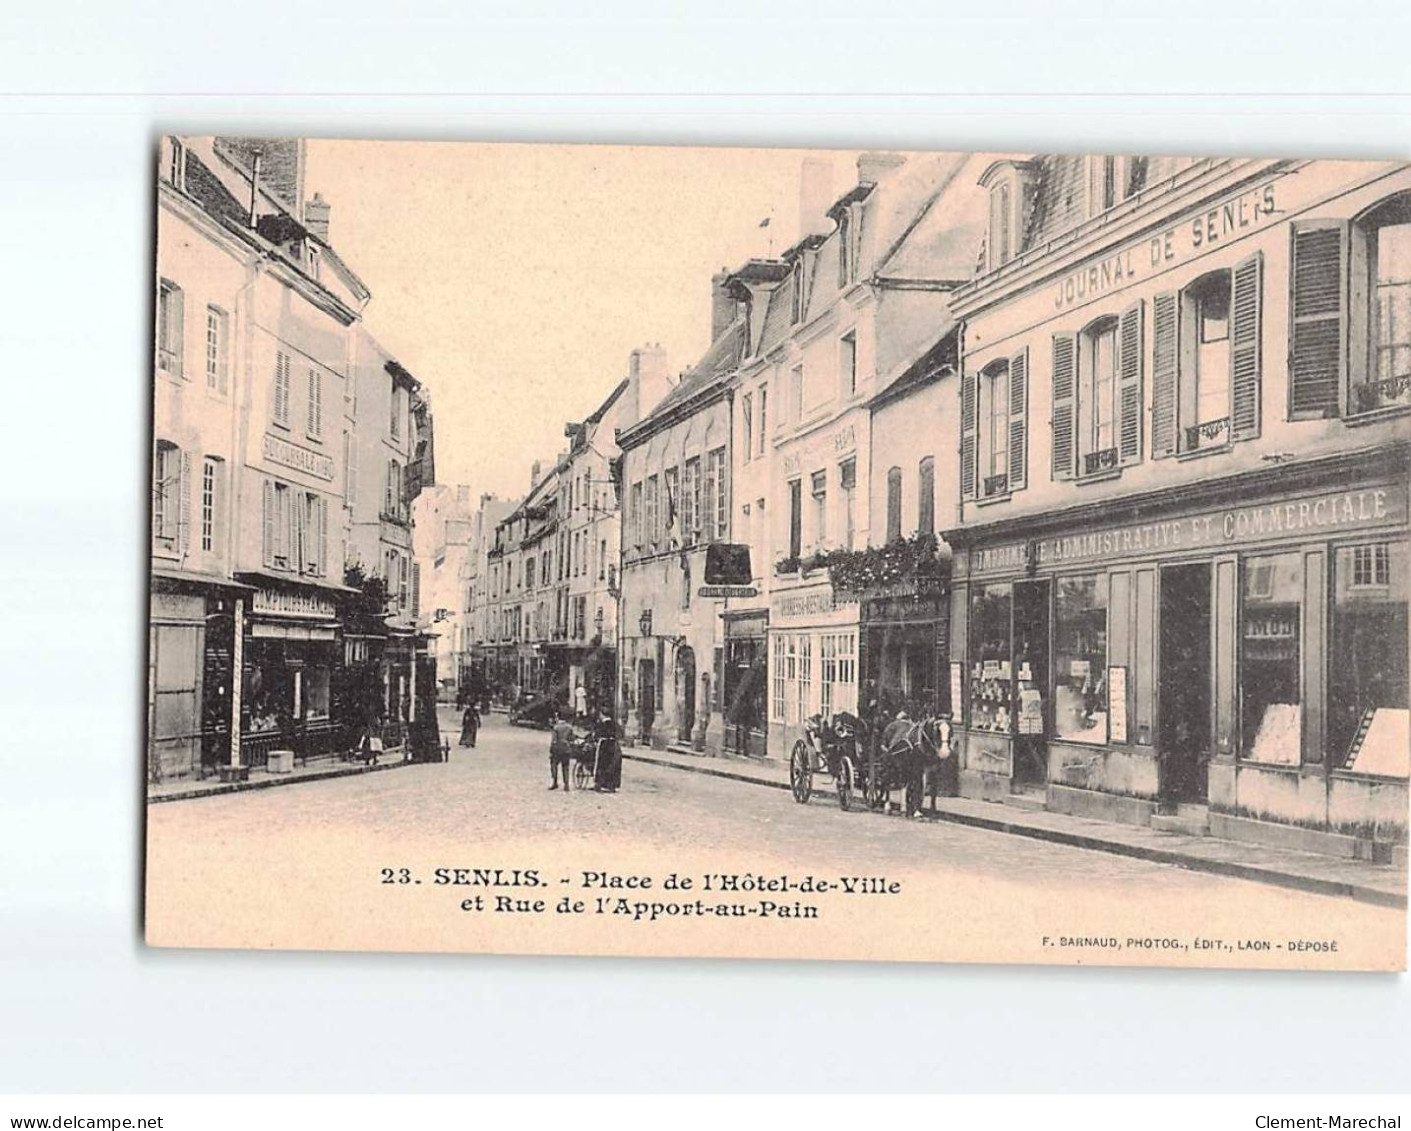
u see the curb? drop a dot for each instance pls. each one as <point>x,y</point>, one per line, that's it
<point>272,783</point>
<point>1253,872</point>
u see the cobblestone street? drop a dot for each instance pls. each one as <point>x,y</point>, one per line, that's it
<point>491,807</point>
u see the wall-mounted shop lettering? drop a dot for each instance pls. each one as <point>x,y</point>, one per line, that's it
<point>1330,514</point>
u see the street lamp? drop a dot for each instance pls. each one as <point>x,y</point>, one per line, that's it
<point>645,622</point>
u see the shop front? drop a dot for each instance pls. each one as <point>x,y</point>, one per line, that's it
<point>813,658</point>
<point>746,683</point>
<point>190,648</point>
<point>1240,645</point>
<point>291,659</point>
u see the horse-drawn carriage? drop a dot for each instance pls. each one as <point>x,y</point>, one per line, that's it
<point>860,763</point>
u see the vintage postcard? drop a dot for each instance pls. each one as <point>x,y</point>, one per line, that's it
<point>995,557</point>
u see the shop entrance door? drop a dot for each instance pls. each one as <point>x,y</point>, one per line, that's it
<point>1183,733</point>
<point>1030,682</point>
<point>685,693</point>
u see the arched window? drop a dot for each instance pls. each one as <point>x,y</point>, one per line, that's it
<point>1097,394</point>
<point>994,425</point>
<point>926,497</point>
<point>893,504</point>
<point>1380,360</point>
<point>1204,407</point>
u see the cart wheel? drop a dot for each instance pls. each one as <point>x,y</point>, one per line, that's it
<point>876,794</point>
<point>580,775</point>
<point>800,773</point>
<point>847,777</point>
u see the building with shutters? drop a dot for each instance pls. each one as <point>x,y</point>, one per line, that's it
<point>1180,556</point>
<point>854,328</point>
<point>256,452</point>
<point>675,481</point>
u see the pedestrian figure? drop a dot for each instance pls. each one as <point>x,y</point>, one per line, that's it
<point>470,725</point>
<point>608,772</point>
<point>560,751</point>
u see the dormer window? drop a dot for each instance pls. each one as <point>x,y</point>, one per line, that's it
<point>176,167</point>
<point>1008,184</point>
<point>847,267</point>
<point>796,311</point>
<point>1001,224</point>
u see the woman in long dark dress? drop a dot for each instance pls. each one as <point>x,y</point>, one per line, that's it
<point>470,725</point>
<point>608,775</point>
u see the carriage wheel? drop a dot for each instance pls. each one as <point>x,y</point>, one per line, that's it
<point>800,773</point>
<point>581,775</point>
<point>847,776</point>
<point>876,793</point>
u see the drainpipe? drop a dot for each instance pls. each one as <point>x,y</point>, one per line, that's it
<point>241,383</point>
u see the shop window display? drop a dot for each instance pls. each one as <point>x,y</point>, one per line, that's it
<point>1271,713</point>
<point>991,682</point>
<point>316,694</point>
<point>1080,659</point>
<point>1369,724</point>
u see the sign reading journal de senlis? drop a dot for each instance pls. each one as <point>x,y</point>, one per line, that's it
<point>1327,515</point>
<point>1232,217</point>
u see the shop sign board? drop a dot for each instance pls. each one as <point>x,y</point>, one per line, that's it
<point>727,591</point>
<point>808,606</point>
<point>282,603</point>
<point>282,452</point>
<point>1326,515</point>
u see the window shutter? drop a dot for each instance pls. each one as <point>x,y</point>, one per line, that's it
<point>301,533</point>
<point>267,555</point>
<point>1129,390</point>
<point>351,461</point>
<point>178,330</point>
<point>322,536</point>
<point>281,387</point>
<point>969,426</point>
<point>183,514</point>
<point>1246,320</point>
<point>315,403</point>
<point>223,353</point>
<point>1317,337</point>
<point>1165,354</point>
<point>1065,404</point>
<point>1018,420</point>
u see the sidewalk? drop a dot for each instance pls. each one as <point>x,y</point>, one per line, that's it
<point>1369,883</point>
<point>186,788</point>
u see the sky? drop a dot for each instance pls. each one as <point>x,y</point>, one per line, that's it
<point>513,281</point>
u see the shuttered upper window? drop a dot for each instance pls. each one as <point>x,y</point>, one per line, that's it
<point>994,437</point>
<point>1380,363</point>
<point>1207,361</point>
<point>171,317</point>
<point>281,389</point>
<point>1097,396</point>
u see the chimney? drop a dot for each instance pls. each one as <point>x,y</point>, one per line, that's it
<point>815,196</point>
<point>723,305</point>
<point>648,381</point>
<point>316,216</point>
<point>535,470</point>
<point>872,167</point>
<point>255,188</point>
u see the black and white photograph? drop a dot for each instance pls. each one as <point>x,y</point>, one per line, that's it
<point>779,553</point>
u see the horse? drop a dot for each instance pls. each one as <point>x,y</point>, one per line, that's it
<point>913,751</point>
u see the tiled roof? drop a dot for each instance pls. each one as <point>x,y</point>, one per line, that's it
<point>722,358</point>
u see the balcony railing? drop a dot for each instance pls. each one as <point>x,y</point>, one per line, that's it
<point>1101,460</point>
<point>996,485</point>
<point>1211,434</point>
